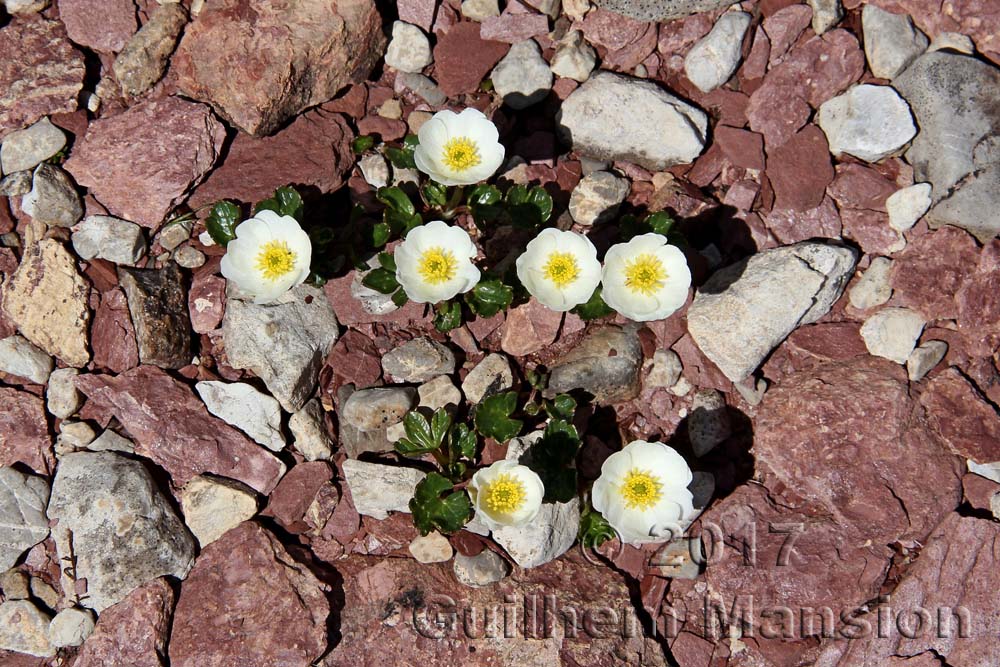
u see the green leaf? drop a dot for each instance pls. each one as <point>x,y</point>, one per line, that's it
<point>563,406</point>
<point>440,424</point>
<point>489,297</point>
<point>448,317</point>
<point>492,417</point>
<point>594,308</point>
<point>381,280</point>
<point>401,158</point>
<point>594,529</point>
<point>462,442</point>
<point>660,222</point>
<point>411,141</point>
<point>434,508</point>
<point>387,261</point>
<point>401,223</point>
<point>397,200</point>
<point>284,201</point>
<point>552,457</point>
<point>362,143</point>
<point>399,298</point>
<point>541,200</point>
<point>380,234</point>
<point>435,194</point>
<point>222,221</point>
<point>483,193</point>
<point>528,208</point>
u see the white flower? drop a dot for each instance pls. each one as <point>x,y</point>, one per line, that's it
<point>434,263</point>
<point>560,269</point>
<point>458,148</point>
<point>506,494</point>
<point>269,256</point>
<point>643,493</point>
<point>645,279</point>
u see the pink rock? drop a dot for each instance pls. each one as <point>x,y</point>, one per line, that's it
<point>104,25</point>
<point>979,301</point>
<point>800,170</point>
<point>247,602</point>
<point>741,147</point>
<point>630,55</point>
<point>979,491</point>
<point>677,37</point>
<point>728,106</point>
<point>791,226</point>
<point>171,426</point>
<point>810,346</point>
<point>783,28</point>
<point>741,195</point>
<point>206,302</point>
<point>260,62</point>
<point>462,58</point>
<point>296,492</point>
<point>755,65</point>
<point>699,369</point>
<point>24,432</point>
<point>961,417</point>
<point>112,334</point>
<point>140,163</point>
<point>529,328</point>
<point>353,359</point>
<point>612,31</point>
<point>385,129</point>
<point>133,632</point>
<point>40,72</point>
<point>351,313</point>
<point>776,116</point>
<point>417,12</point>
<point>870,230</point>
<point>932,269</point>
<point>858,186</point>
<point>512,27</point>
<point>979,19</point>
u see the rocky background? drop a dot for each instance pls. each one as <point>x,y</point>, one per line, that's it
<point>840,385</point>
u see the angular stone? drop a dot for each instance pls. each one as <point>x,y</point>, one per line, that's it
<point>24,628</point>
<point>800,170</point>
<point>309,430</point>
<point>48,302</point>
<point>825,14</point>
<point>23,523</point>
<point>263,63</point>
<point>892,333</point>
<point>418,360</point>
<point>484,569</point>
<point>574,57</point>
<point>368,415</point>
<point>145,56</point>
<point>932,270</point>
<point>53,199</point>
<point>378,489</point>
<point>874,288</point>
<point>105,237</point>
<point>745,310</point>
<point>868,122</point>
<point>284,343</point>
<point>240,405</point>
<point>431,548</point>
<point>924,358</point>
<point>27,148</point>
<point>522,77</point>
<point>605,363</point>
<point>109,441</point>
<point>24,431</point>
<point>212,506</point>
<point>19,357</point>
<point>462,58</point>
<point>513,27</point>
<point>159,309</point>
<point>439,393</point>
<point>113,335</point>
<point>908,205</point>
<point>206,301</point>
<point>140,163</point>
<point>220,620</point>
<point>961,417</point>
<point>71,627</point>
<point>714,58</point>
<point>480,10</point>
<point>891,41</point>
<point>105,28</point>
<point>117,525</point>
<point>529,328</point>
<point>62,400</point>
<point>596,198</point>
<point>651,127</point>
<point>171,426</point>
<point>548,536</point>
<point>409,50</point>
<point>304,499</point>
<point>490,376</point>
<point>660,10</point>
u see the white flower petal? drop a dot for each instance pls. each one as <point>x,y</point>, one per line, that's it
<point>240,263</point>
<point>445,126</point>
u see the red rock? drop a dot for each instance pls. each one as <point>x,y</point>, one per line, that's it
<point>755,64</point>
<point>961,417</point>
<point>776,118</point>
<point>24,432</point>
<point>40,72</point>
<point>247,602</point>
<point>979,19</point>
<point>800,170</point>
<point>354,359</point>
<point>350,311</point>
<point>171,426</point>
<point>386,129</point>
<point>708,166</point>
<point>635,52</point>
<point>296,492</point>
<point>742,148</point>
<point>728,106</point>
<point>783,29</point>
<point>810,346</point>
<point>871,231</point>
<point>677,37</point>
<point>313,151</point>
<point>979,302</point>
<point>134,632</point>
<point>529,328</point>
<point>741,195</point>
<point>513,27</point>
<point>388,537</point>
<point>140,163</point>
<point>101,26</point>
<point>790,226</point>
<point>259,62</point>
<point>932,269</point>
<point>858,186</point>
<point>979,491</point>
<point>206,302</point>
<point>417,12</point>
<point>699,369</point>
<point>462,58</point>
<point>112,334</point>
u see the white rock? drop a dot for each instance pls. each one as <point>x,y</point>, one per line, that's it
<point>426,89</point>
<point>431,548</point>
<point>109,441</point>
<point>25,6</point>
<point>745,310</point>
<point>665,369</point>
<point>522,77</point>
<point>375,170</point>
<point>379,489</point>
<point>617,117</point>
<point>892,333</point>
<point>680,559</point>
<point>574,57</point>
<point>596,197</point>
<point>61,397</point>
<point>924,358</point>
<point>714,58</point>
<point>212,506</point>
<point>492,375</point>
<point>366,416</point>
<point>891,41</point>
<point>311,437</point>
<point>15,585</point>
<point>576,9</point>
<point>752,391</point>
<point>116,240</point>
<point>25,629</point>
<point>27,148</point>
<point>439,393</point>
<point>954,41</point>
<point>18,356</point>
<point>868,122</point>
<point>176,233</point>
<point>53,199</point>
<point>73,435</point>
<point>189,257</point>
<point>480,10</point>
<point>708,423</point>
<point>71,627</point>
<point>988,470</point>
<point>23,523</point>
<point>908,205</point>
<point>874,287</point>
<point>237,403</point>
<point>484,569</point>
<point>826,14</point>
<point>409,50</point>
<point>418,360</point>
<point>547,537</point>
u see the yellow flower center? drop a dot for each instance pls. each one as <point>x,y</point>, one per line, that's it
<point>561,269</point>
<point>641,489</point>
<point>645,274</point>
<point>275,259</point>
<point>461,153</point>
<point>505,494</point>
<point>437,265</point>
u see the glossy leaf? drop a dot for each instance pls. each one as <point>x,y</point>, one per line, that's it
<point>660,222</point>
<point>594,308</point>
<point>492,417</point>
<point>563,406</point>
<point>437,506</point>
<point>435,194</point>
<point>285,201</point>
<point>401,158</point>
<point>395,199</point>
<point>362,143</point>
<point>489,297</point>
<point>381,280</point>
<point>594,529</point>
<point>221,222</point>
<point>448,316</point>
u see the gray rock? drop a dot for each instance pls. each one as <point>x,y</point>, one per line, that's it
<point>379,489</point>
<point>708,424</point>
<point>174,234</point>
<point>18,356</point>
<point>25,6</point>
<point>16,184</point>
<point>118,526</point>
<point>616,117</point>
<point>680,559</point>
<point>605,363</point>
<point>975,206</point>
<point>892,333</point>
<point>431,548</point>
<point>308,429</point>
<point>826,14</point>
<point>25,629</point>
<point>596,198</point>
<point>924,358</point>
<point>375,170</point>
<point>955,41</point>
<point>367,415</point>
<point>751,390</point>
<point>116,240</point>
<point>74,435</point>
<point>418,360</point>
<point>189,257</point>
<point>439,393</point>
<point>409,50</point>
<point>157,302</point>
<point>868,122</point>
<point>891,41</point>
<point>484,569</point>
<point>213,506</point>
<point>22,514</point>
<point>26,149</point>
<point>109,441</point>
<point>480,10</point>
<point>908,205</point>
<point>547,537</point>
<point>53,199</point>
<point>745,310</point>
<point>574,57</point>
<point>145,56</point>
<point>714,58</point>
<point>490,376</point>
<point>522,78</point>
<point>660,10</point>
<point>874,288</point>
<point>421,86</point>
<point>664,369</point>
<point>283,343</point>
<point>71,627</point>
<point>15,585</point>
<point>237,403</point>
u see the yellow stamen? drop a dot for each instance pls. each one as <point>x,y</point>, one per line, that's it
<point>461,153</point>
<point>561,269</point>
<point>641,489</point>
<point>437,265</point>
<point>645,274</point>
<point>275,259</point>
<point>505,494</point>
